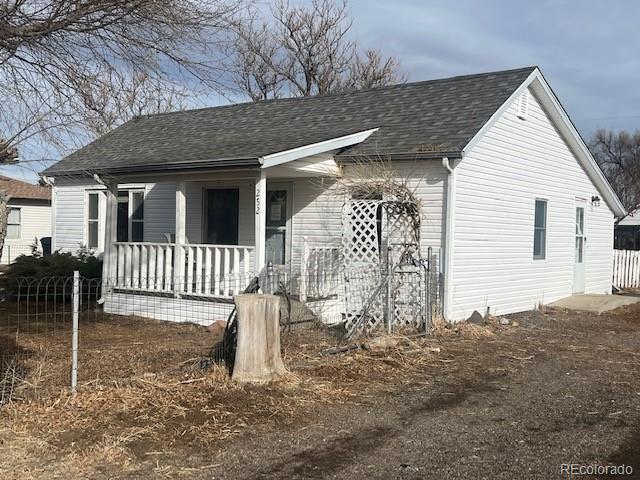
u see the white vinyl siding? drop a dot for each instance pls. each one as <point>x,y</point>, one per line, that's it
<point>35,223</point>
<point>69,214</point>
<point>514,163</point>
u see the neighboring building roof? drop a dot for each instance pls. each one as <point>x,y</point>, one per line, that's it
<point>420,120</point>
<point>23,190</point>
<point>632,218</point>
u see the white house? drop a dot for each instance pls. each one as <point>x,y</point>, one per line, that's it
<point>29,218</point>
<point>508,190</point>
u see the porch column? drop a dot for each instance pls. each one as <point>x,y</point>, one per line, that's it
<point>110,252</point>
<point>260,221</point>
<point>181,214</point>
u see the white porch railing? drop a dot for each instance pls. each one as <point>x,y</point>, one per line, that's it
<point>320,269</point>
<point>208,270</point>
<point>626,268</point>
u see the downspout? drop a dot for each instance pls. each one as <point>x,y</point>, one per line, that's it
<point>449,240</point>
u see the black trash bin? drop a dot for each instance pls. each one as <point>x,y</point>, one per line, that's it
<point>46,245</point>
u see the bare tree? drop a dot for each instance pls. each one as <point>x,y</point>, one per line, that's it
<point>302,51</point>
<point>57,58</point>
<point>72,69</point>
<point>618,154</point>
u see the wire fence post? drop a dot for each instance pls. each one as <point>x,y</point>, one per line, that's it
<point>74,335</point>
<point>428,320</point>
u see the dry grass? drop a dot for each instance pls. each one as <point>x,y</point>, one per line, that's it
<point>466,329</point>
<point>144,403</point>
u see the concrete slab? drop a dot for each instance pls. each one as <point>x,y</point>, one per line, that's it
<point>594,302</point>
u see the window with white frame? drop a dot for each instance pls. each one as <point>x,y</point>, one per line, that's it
<point>14,218</point>
<point>540,230</point>
<point>130,222</point>
<point>93,219</point>
<point>136,206</point>
<point>129,219</point>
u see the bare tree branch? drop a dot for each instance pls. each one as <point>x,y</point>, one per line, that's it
<point>302,51</point>
<point>73,64</point>
<point>618,154</point>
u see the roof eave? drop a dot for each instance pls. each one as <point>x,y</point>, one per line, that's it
<point>353,157</point>
<point>157,168</point>
<point>579,146</point>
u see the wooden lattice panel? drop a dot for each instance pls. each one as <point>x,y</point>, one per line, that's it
<point>361,250</point>
<point>360,241</point>
<point>408,294</point>
<point>378,285</point>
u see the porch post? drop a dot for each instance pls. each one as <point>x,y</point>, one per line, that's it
<point>181,214</point>
<point>260,220</point>
<point>110,252</point>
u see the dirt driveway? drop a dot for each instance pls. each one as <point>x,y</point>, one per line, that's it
<point>561,388</point>
<point>558,388</point>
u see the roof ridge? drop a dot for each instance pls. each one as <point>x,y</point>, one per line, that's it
<point>336,94</point>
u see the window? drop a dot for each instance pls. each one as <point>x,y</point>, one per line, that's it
<point>130,223</point>
<point>13,223</point>
<point>222,209</point>
<point>540,230</point>
<point>137,216</point>
<point>93,220</point>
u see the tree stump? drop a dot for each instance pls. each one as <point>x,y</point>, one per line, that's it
<point>258,358</point>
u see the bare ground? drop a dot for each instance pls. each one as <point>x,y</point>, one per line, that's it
<point>503,402</point>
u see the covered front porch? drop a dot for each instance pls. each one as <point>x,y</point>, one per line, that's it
<point>207,235</point>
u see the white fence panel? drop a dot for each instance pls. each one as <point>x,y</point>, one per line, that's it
<point>626,268</point>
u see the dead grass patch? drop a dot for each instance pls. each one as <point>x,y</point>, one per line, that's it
<point>144,403</point>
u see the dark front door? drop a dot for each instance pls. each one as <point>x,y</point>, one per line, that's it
<point>222,209</point>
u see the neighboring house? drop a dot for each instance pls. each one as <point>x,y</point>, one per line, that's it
<point>29,218</point>
<point>508,190</point>
<point>627,232</point>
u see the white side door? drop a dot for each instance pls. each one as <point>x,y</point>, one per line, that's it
<point>579,249</point>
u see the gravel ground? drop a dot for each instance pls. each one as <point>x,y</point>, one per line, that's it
<point>562,388</point>
<point>506,402</point>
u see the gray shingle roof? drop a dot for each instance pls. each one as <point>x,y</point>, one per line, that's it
<point>441,115</point>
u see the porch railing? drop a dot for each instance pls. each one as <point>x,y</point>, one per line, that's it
<point>626,268</point>
<point>320,269</point>
<point>208,270</point>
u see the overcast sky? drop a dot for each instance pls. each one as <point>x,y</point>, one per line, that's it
<point>588,50</point>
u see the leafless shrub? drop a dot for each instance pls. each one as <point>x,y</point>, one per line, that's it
<point>10,378</point>
<point>375,178</point>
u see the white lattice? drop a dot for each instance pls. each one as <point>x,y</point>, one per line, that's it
<point>361,250</point>
<point>377,238</point>
<point>360,242</point>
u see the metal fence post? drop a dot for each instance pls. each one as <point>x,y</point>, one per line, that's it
<point>428,320</point>
<point>74,335</point>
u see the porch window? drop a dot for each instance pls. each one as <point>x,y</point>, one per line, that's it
<point>540,230</point>
<point>130,224</point>
<point>93,219</point>
<point>222,207</point>
<point>137,216</point>
<point>13,223</point>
